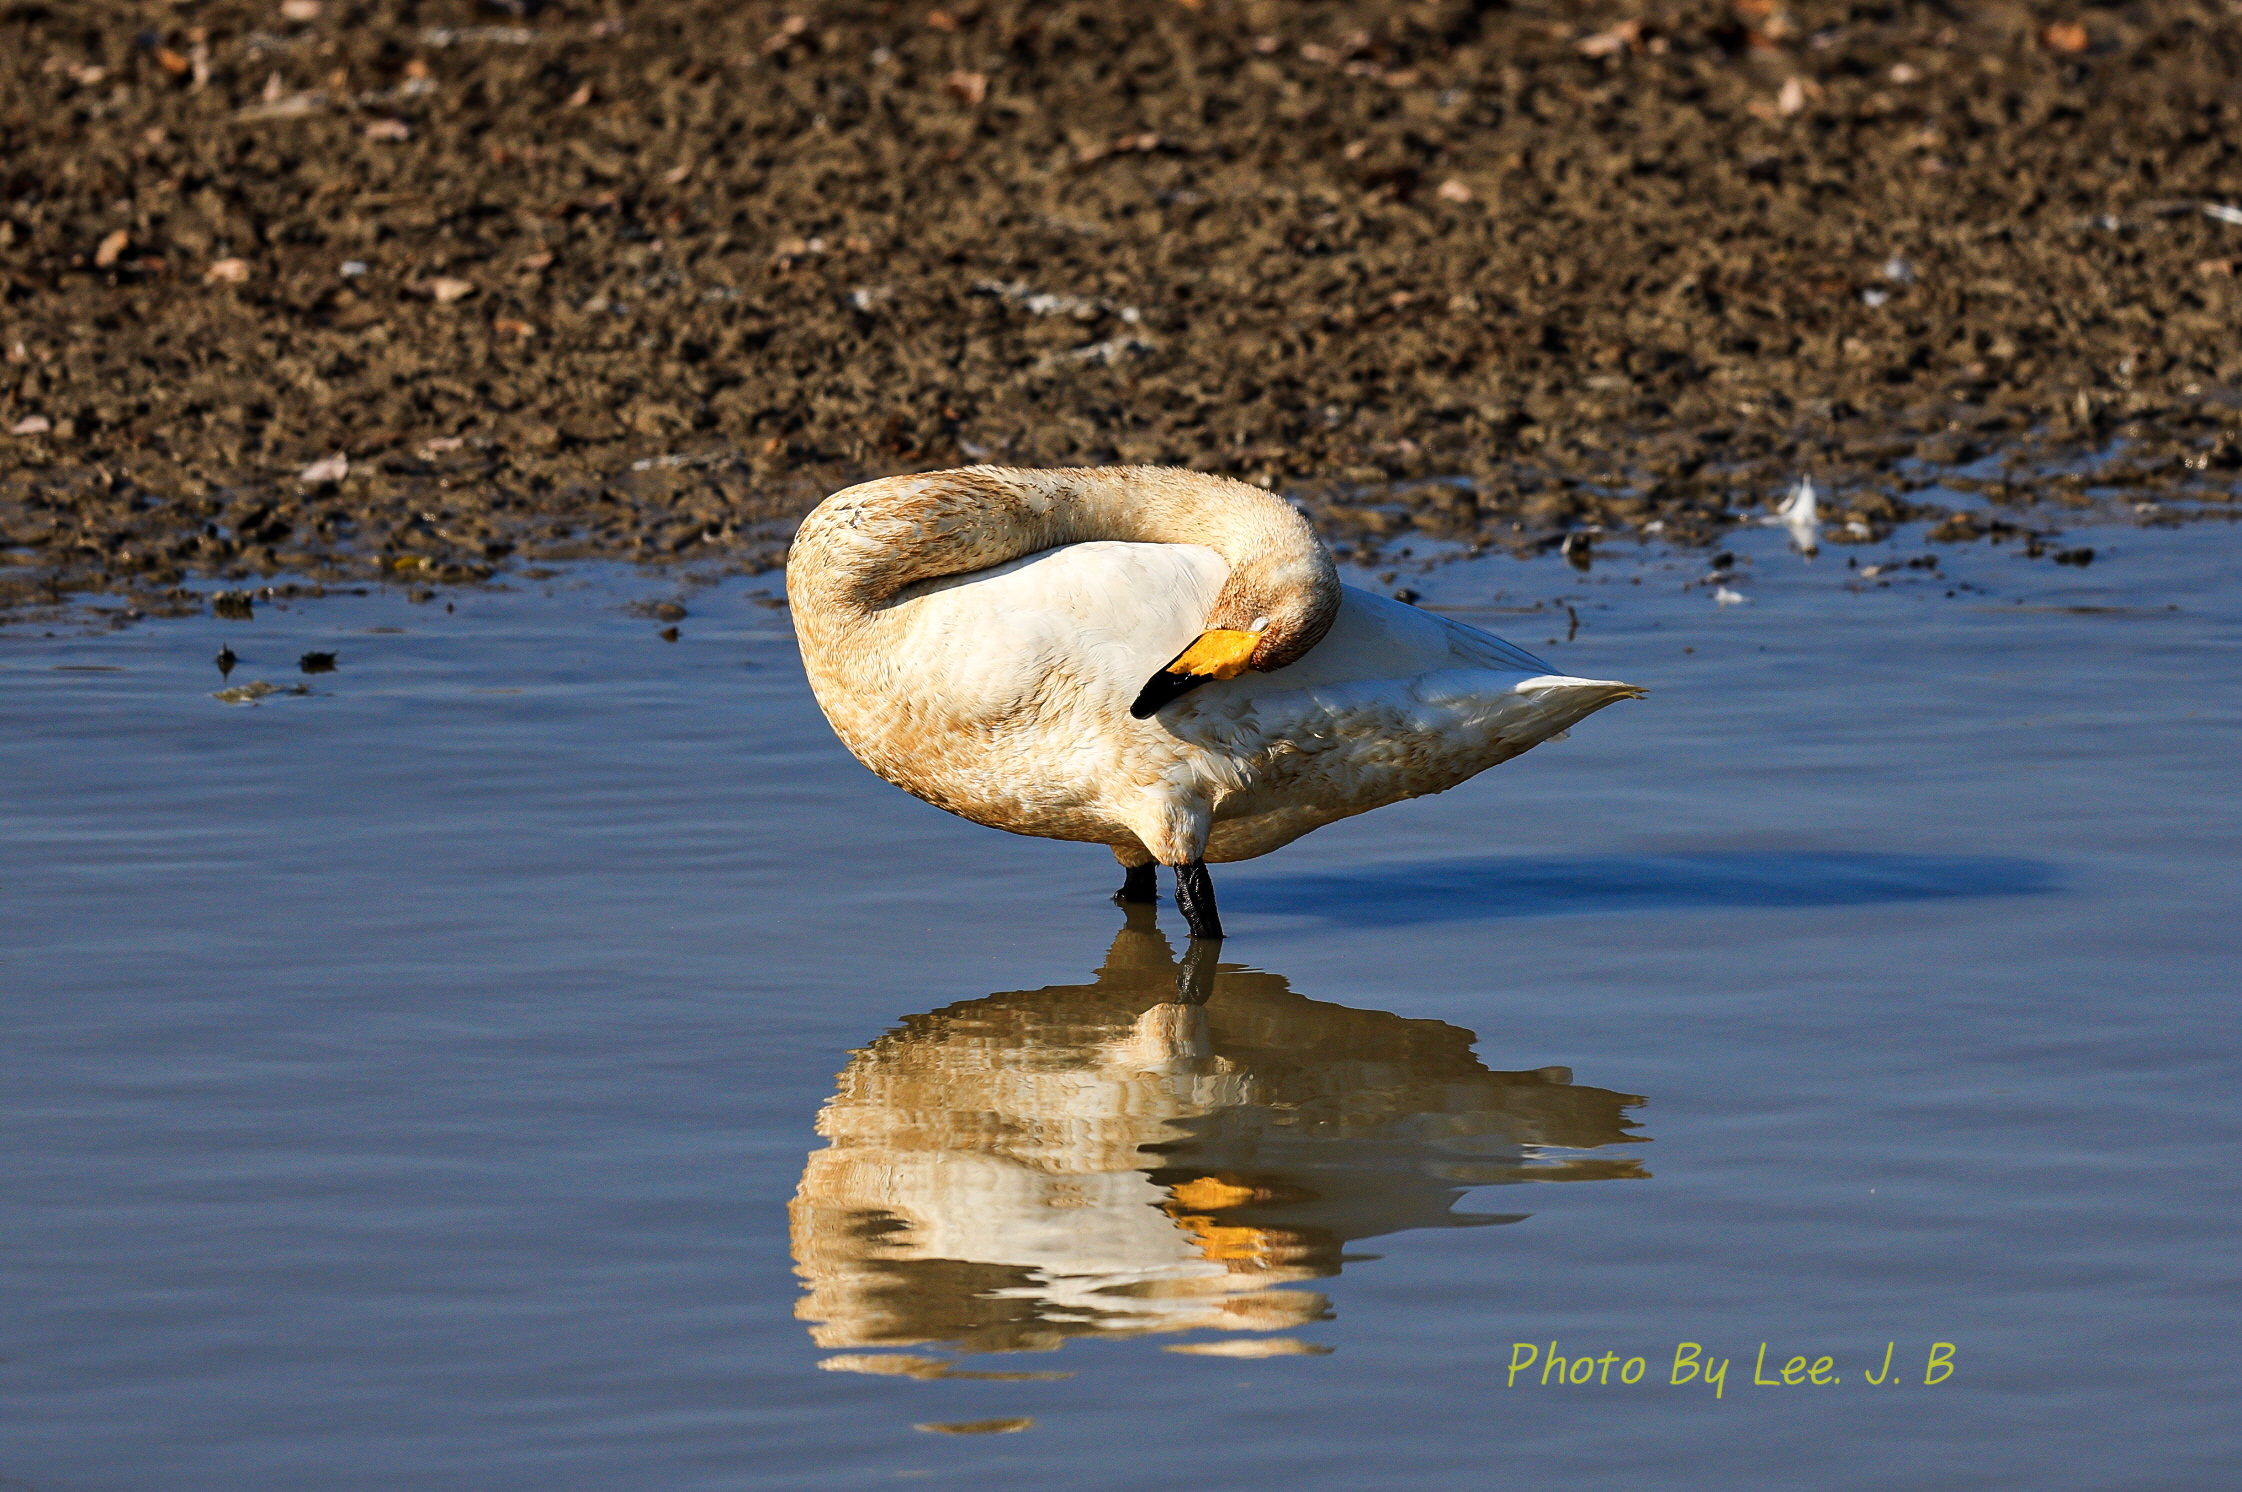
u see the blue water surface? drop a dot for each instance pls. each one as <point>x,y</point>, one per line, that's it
<point>540,1058</point>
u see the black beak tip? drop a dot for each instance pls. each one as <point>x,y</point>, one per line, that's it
<point>1161,690</point>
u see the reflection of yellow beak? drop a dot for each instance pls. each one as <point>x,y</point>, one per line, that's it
<point>1217,653</point>
<point>1210,1194</point>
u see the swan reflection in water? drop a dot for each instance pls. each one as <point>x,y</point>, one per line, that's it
<point>1156,1152</point>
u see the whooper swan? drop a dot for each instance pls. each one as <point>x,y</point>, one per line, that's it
<point>1157,660</point>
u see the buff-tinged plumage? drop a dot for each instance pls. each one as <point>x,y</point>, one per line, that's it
<point>977,637</point>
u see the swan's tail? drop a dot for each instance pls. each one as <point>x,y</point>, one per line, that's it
<point>1603,691</point>
<point>1562,702</point>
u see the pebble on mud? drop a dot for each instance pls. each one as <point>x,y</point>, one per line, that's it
<point>327,469</point>
<point>227,272</point>
<point>317,663</point>
<point>31,424</point>
<point>232,606</point>
<point>225,661</point>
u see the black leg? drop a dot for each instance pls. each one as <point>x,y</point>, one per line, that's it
<point>1194,897</point>
<point>1138,883</point>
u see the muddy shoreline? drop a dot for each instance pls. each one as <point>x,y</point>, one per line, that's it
<point>643,283</point>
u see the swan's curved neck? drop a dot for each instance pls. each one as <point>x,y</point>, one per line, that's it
<point>868,543</point>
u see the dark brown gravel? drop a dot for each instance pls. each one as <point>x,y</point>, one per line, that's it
<point>644,281</point>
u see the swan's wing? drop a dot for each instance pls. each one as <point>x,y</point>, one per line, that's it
<point>1375,638</point>
<point>1013,686</point>
<point>1489,650</point>
<point>1084,624</point>
<point>1091,622</point>
<point>1393,703</point>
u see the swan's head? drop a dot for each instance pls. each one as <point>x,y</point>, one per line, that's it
<point>1287,603</point>
<point>1269,614</point>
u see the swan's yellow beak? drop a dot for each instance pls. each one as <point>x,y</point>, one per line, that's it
<point>1218,653</point>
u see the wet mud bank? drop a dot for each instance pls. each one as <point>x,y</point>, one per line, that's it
<point>435,290</point>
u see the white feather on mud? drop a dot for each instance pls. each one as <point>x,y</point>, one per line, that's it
<point>1800,512</point>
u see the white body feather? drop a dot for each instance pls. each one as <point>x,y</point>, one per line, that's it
<point>1009,691</point>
